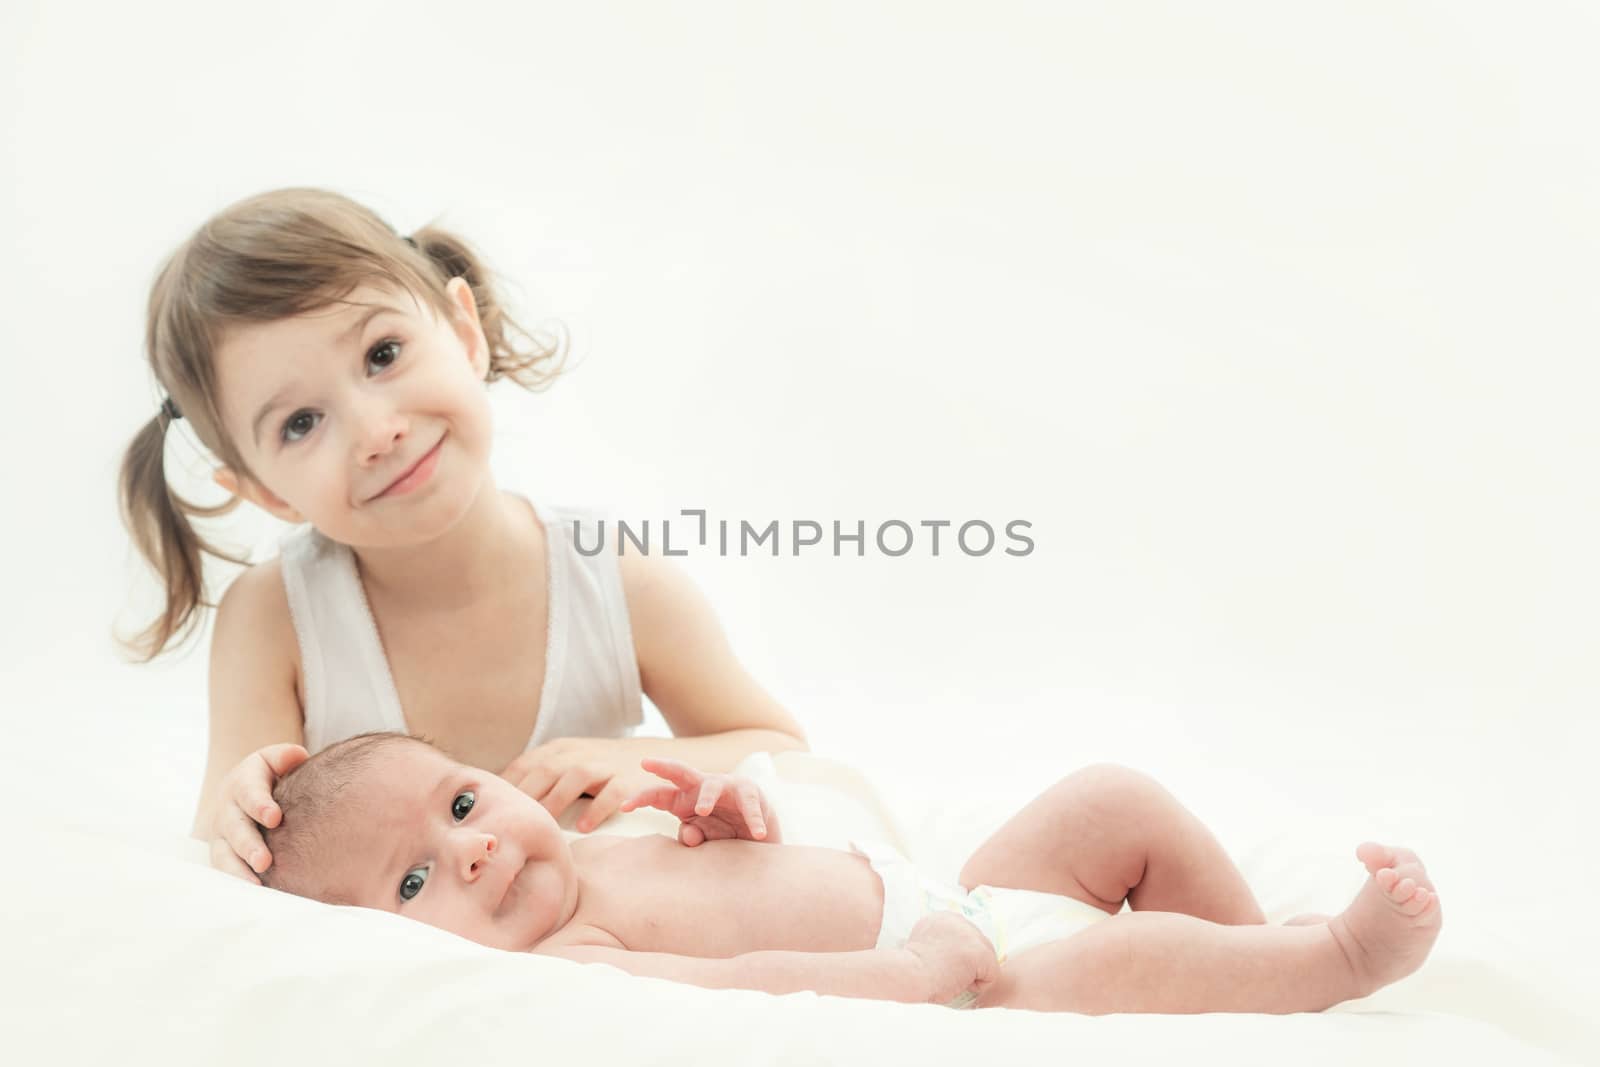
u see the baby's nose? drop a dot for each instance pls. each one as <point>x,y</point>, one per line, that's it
<point>478,854</point>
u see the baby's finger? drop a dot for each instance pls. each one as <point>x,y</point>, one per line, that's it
<point>663,798</point>
<point>673,771</point>
<point>750,804</point>
<point>224,859</point>
<point>709,793</point>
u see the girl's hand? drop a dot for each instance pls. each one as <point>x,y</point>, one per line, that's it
<point>237,846</point>
<point>558,772</point>
<point>955,958</point>
<point>711,807</point>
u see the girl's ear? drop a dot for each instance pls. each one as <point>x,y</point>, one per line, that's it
<point>467,326</point>
<point>256,493</point>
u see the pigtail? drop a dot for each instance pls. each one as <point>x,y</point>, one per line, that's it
<point>453,257</point>
<point>158,520</point>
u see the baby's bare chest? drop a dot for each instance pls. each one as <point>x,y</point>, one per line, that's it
<point>723,898</point>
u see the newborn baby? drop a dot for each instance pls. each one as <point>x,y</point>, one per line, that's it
<point>388,821</point>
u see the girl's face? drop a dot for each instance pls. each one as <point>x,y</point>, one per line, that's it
<point>368,419</point>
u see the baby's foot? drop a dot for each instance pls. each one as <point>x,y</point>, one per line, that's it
<point>1387,931</point>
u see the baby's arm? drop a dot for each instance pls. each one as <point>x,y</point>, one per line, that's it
<point>877,974</point>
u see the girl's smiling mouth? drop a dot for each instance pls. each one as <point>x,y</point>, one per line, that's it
<point>415,475</point>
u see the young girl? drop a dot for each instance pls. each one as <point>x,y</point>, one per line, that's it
<point>337,371</point>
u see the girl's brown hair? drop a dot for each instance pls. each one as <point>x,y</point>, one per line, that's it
<point>269,257</point>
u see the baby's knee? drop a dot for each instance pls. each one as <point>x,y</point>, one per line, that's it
<point>1113,787</point>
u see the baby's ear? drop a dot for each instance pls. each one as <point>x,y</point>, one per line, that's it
<point>256,493</point>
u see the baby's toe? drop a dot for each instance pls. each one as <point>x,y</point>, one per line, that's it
<point>1403,890</point>
<point>1418,903</point>
<point>1375,856</point>
<point>1386,878</point>
<point>1413,870</point>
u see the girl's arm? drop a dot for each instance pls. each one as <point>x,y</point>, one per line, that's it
<point>254,704</point>
<point>718,713</point>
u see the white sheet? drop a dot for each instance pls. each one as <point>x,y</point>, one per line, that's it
<point>124,950</point>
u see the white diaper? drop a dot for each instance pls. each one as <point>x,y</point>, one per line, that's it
<point>1014,920</point>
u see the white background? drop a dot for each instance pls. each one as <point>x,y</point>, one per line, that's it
<point>1276,322</point>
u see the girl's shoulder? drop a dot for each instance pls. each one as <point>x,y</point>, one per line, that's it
<point>255,687</point>
<point>256,601</point>
<point>254,619</point>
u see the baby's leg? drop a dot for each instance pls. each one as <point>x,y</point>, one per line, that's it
<point>1105,834</point>
<point>1160,962</point>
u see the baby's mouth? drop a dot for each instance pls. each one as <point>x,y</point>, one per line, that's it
<point>507,894</point>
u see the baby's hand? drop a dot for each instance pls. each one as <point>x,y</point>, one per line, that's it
<point>955,956</point>
<point>711,807</point>
<point>237,845</point>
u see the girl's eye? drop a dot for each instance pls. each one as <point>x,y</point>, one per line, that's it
<point>383,354</point>
<point>411,884</point>
<point>462,804</point>
<point>299,424</point>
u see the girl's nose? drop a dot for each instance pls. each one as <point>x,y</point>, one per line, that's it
<point>380,430</point>
<point>479,847</point>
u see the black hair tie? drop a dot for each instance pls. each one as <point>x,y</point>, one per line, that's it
<point>409,241</point>
<point>170,409</point>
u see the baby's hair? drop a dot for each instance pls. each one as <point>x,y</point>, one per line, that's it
<point>315,810</point>
<point>265,258</point>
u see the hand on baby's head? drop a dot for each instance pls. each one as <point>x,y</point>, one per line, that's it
<point>316,801</point>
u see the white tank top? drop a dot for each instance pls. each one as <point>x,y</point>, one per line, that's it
<point>591,679</point>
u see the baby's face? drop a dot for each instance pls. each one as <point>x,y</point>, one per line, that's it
<point>457,848</point>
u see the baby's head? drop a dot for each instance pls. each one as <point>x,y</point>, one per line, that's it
<point>387,821</point>
<point>260,337</point>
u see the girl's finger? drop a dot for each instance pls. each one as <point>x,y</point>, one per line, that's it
<point>255,802</point>
<point>535,782</point>
<point>244,838</point>
<point>605,802</point>
<point>690,834</point>
<point>571,786</point>
<point>224,859</point>
<point>709,792</point>
<point>250,790</point>
<point>281,759</point>
<point>513,771</point>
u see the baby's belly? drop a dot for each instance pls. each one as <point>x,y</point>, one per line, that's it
<point>724,898</point>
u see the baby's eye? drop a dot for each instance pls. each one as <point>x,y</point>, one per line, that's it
<point>462,804</point>
<point>299,424</point>
<point>411,884</point>
<point>383,354</point>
